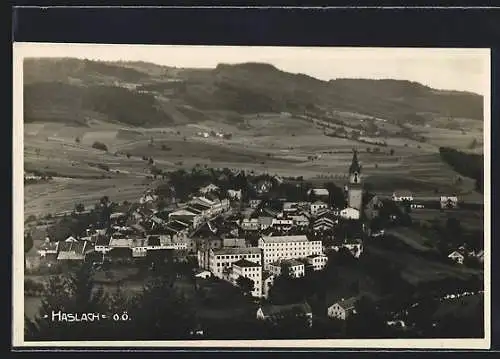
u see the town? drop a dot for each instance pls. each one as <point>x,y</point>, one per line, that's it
<point>325,253</point>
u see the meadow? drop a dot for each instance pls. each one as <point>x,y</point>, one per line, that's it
<point>267,143</point>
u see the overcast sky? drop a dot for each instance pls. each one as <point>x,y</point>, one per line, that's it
<point>448,69</point>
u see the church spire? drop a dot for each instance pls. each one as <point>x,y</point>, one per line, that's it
<point>355,167</point>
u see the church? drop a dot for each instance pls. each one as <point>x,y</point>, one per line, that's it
<point>355,187</point>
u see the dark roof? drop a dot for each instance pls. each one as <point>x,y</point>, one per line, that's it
<point>199,206</point>
<point>271,310</point>
<point>76,247</point>
<point>153,241</point>
<point>190,208</point>
<point>176,226</point>
<point>347,304</point>
<point>102,241</point>
<point>245,263</point>
<point>355,167</point>
<point>266,274</point>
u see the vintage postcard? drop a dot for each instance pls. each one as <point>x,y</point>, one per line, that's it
<point>252,197</point>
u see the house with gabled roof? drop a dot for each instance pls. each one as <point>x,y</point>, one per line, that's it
<point>402,196</point>
<point>73,251</point>
<point>48,248</point>
<point>319,193</point>
<point>209,188</point>
<point>457,257</point>
<point>102,244</point>
<point>275,313</point>
<point>343,308</point>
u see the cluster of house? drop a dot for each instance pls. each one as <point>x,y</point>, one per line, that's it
<point>462,253</point>
<point>445,202</point>
<point>217,134</point>
<point>338,309</point>
<point>134,232</point>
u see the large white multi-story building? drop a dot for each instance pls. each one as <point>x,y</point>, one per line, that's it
<point>251,270</point>
<point>287,247</point>
<point>220,259</point>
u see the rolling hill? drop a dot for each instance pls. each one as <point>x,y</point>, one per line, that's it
<point>138,93</point>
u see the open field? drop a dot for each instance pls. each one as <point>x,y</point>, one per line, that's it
<point>471,219</point>
<point>416,269</point>
<point>61,194</point>
<point>268,143</point>
<point>411,238</point>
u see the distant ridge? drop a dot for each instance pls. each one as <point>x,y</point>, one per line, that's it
<point>243,88</point>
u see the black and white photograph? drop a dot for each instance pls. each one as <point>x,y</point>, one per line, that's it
<point>217,195</point>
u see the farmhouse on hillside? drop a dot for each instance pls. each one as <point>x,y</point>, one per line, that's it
<point>402,196</point>
<point>342,309</point>
<point>274,313</point>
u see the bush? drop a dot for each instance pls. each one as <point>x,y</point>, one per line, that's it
<point>100,146</point>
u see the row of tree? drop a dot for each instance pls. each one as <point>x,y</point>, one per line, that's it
<point>467,164</point>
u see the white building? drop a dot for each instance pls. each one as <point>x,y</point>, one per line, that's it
<point>349,213</point>
<point>139,247</point>
<point>457,257</point>
<point>220,259</point>
<point>282,224</point>
<point>300,221</point>
<point>216,206</point>
<point>342,309</point>
<point>265,222</point>
<point>354,245</point>
<point>234,195</point>
<point>295,268</point>
<point>203,274</point>
<point>251,270</point>
<point>320,192</point>
<point>287,247</point>
<point>208,189</point>
<point>318,261</point>
<point>148,197</point>
<point>48,247</point>
<point>250,224</point>
<point>317,207</point>
<point>400,196</point>
<point>254,203</point>
<point>184,214</point>
<point>448,202</point>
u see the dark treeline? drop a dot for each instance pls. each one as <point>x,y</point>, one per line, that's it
<point>467,164</point>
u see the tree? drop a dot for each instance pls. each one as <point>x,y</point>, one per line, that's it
<point>100,146</point>
<point>79,207</point>
<point>128,155</point>
<point>336,195</point>
<point>367,321</point>
<point>246,285</point>
<point>391,152</point>
<point>160,312</point>
<point>28,242</point>
<point>73,293</point>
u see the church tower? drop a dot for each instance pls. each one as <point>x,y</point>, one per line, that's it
<point>355,188</point>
